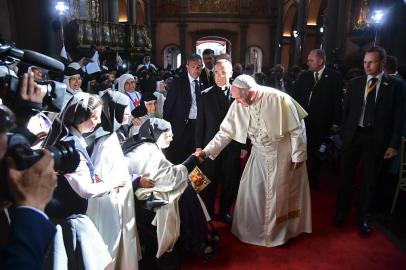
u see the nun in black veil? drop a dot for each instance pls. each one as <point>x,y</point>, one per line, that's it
<point>77,244</point>
<point>184,213</point>
<point>114,213</point>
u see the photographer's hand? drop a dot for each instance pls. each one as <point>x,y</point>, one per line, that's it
<point>34,186</point>
<point>30,90</point>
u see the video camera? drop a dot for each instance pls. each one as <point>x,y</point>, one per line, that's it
<point>66,157</point>
<point>54,91</point>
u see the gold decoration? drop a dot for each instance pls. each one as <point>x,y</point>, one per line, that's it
<point>363,20</point>
<point>292,214</point>
<point>214,6</point>
<point>198,180</point>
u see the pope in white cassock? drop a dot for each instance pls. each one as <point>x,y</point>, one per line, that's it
<point>273,202</point>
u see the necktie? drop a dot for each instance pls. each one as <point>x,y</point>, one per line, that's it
<point>197,89</point>
<point>316,76</point>
<point>211,77</point>
<point>370,103</point>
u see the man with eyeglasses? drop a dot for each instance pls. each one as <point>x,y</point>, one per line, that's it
<point>180,109</point>
<point>225,169</point>
<point>371,132</point>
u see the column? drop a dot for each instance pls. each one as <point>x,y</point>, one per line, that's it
<point>278,34</point>
<point>182,41</point>
<point>148,14</point>
<point>153,42</point>
<point>132,11</point>
<point>300,27</point>
<point>113,11</point>
<point>243,41</point>
<point>330,38</point>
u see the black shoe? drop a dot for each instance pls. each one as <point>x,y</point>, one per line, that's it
<point>364,227</point>
<point>339,219</point>
<point>227,219</point>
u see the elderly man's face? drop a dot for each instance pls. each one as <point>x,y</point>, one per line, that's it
<point>221,75</point>
<point>239,96</point>
<point>314,62</point>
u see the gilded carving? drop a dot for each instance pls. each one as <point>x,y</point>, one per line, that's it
<point>214,6</point>
<point>363,19</point>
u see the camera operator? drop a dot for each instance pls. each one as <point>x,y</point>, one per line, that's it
<point>30,190</point>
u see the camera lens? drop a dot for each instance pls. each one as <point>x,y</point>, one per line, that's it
<point>66,158</point>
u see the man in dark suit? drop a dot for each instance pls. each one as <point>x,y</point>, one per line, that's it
<point>180,109</point>
<point>30,232</point>
<point>319,91</point>
<point>207,75</point>
<point>371,132</point>
<point>212,108</point>
<point>277,79</point>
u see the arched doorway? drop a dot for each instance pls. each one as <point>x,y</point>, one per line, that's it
<point>253,58</point>
<point>171,56</point>
<point>218,44</point>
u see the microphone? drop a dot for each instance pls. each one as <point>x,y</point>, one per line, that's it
<point>41,60</point>
<point>31,57</point>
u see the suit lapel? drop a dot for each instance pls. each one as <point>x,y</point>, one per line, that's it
<point>322,79</point>
<point>382,88</point>
<point>361,91</point>
<point>187,94</point>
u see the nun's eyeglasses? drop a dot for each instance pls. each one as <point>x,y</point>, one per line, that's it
<point>76,79</point>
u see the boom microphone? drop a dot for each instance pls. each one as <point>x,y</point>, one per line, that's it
<point>31,57</point>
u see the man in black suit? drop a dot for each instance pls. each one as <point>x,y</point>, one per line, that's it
<point>30,232</point>
<point>180,109</point>
<point>207,75</point>
<point>319,91</point>
<point>371,132</point>
<point>212,108</point>
<point>277,80</point>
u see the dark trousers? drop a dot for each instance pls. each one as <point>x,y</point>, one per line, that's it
<point>224,170</point>
<point>314,164</point>
<point>361,149</point>
<point>183,144</point>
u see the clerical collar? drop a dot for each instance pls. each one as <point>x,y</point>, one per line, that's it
<point>225,87</point>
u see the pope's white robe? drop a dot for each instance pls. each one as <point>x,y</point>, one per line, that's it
<point>273,202</point>
<point>170,182</point>
<point>114,213</point>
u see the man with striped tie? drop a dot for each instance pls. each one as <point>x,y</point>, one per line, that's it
<point>371,132</point>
